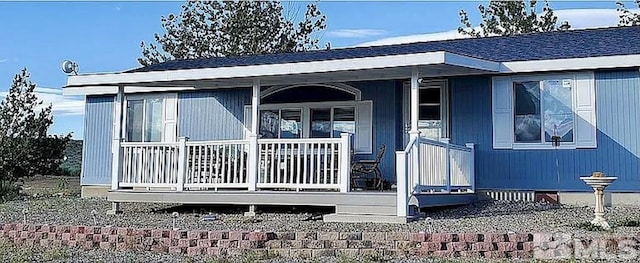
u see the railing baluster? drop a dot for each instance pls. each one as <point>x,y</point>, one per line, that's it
<point>326,160</point>
<point>305,172</point>
<point>274,162</point>
<point>298,161</point>
<point>237,162</point>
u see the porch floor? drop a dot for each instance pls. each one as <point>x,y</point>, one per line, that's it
<point>243,197</point>
<point>365,206</point>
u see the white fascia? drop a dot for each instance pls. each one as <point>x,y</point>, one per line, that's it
<point>570,64</point>
<point>390,61</point>
<point>99,90</point>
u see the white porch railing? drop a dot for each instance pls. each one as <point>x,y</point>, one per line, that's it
<point>445,166</point>
<point>433,166</point>
<point>216,164</point>
<point>296,164</point>
<point>149,164</point>
<point>303,163</point>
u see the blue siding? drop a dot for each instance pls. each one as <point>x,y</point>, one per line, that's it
<point>212,114</point>
<point>385,95</point>
<point>618,152</point>
<point>96,150</point>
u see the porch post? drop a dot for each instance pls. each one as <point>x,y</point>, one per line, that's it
<point>252,174</point>
<point>415,133</point>
<point>345,162</point>
<point>116,165</point>
<point>182,163</point>
<point>415,101</point>
<point>472,166</point>
<point>401,184</point>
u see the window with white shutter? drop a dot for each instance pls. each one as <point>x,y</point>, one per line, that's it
<point>544,111</point>
<point>151,118</point>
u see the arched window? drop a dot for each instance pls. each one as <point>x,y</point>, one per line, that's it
<point>310,93</point>
<point>315,111</point>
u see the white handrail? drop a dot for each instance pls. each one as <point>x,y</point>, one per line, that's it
<point>432,165</point>
<point>301,140</point>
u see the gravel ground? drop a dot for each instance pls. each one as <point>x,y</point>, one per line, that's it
<point>479,217</point>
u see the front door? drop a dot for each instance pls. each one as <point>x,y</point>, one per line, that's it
<point>433,110</point>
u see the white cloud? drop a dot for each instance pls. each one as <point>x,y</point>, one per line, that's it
<point>453,34</point>
<point>588,18</point>
<point>62,105</point>
<point>356,33</point>
<point>2,60</point>
<point>578,18</point>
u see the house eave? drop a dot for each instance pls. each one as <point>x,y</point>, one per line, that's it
<point>571,64</point>
<point>430,64</point>
<point>84,84</point>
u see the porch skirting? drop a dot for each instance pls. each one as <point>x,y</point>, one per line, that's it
<point>88,191</point>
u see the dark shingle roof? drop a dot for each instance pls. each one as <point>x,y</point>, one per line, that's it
<point>535,46</point>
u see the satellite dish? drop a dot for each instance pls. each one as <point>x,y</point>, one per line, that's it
<point>69,67</point>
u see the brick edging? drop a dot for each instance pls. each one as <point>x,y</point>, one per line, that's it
<point>303,244</point>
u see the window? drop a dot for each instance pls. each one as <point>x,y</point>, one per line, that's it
<point>429,121</point>
<point>543,110</point>
<point>150,118</point>
<point>344,121</point>
<point>324,122</point>
<point>285,123</point>
<point>320,123</point>
<point>317,120</point>
<point>529,112</point>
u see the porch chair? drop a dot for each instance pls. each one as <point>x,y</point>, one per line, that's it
<point>368,171</point>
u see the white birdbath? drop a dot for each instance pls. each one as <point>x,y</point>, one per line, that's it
<point>599,183</point>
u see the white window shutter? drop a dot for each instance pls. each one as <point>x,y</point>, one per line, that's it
<point>170,118</point>
<point>585,111</point>
<point>116,109</point>
<point>502,102</point>
<point>247,121</point>
<point>363,141</point>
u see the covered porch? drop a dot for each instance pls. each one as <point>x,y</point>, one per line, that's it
<point>255,170</point>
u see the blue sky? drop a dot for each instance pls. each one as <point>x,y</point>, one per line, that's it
<point>105,36</point>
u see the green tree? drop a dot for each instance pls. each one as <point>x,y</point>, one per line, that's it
<point>628,18</point>
<point>507,18</point>
<point>233,28</point>
<point>26,149</point>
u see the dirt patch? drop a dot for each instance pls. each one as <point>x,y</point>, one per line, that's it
<point>51,186</point>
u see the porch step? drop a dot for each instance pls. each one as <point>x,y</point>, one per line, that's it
<point>359,218</point>
<point>366,210</point>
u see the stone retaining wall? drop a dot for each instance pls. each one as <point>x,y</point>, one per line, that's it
<point>316,244</point>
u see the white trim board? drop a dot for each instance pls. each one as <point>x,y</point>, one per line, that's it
<point>101,90</point>
<point>569,64</point>
<point>94,84</point>
<point>388,61</point>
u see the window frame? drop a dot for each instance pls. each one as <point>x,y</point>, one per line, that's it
<point>136,97</point>
<point>306,112</point>
<point>444,103</point>
<point>583,107</point>
<point>362,143</point>
<point>543,143</point>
